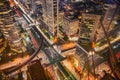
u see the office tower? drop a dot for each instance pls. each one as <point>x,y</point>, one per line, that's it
<point>50,14</point>
<point>70,26</point>
<point>110,12</point>
<point>9,28</point>
<point>89,25</point>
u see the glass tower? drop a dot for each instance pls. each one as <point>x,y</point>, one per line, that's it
<point>50,11</point>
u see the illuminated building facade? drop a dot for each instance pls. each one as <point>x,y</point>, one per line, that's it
<point>3,43</point>
<point>9,28</point>
<point>70,27</point>
<point>107,20</point>
<point>50,14</point>
<point>89,25</point>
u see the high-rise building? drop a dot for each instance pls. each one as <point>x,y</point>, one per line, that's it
<point>89,25</point>
<point>9,28</point>
<point>50,14</point>
<point>70,27</point>
<point>107,20</point>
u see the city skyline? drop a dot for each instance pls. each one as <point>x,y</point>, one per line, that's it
<point>59,40</point>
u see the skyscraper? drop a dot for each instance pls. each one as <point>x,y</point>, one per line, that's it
<point>110,12</point>
<point>9,28</point>
<point>70,26</point>
<point>50,14</point>
<point>89,25</point>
